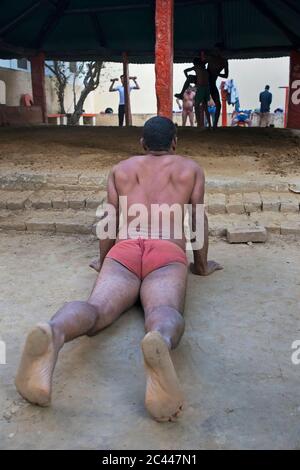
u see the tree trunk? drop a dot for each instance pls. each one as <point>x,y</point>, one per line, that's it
<point>90,83</point>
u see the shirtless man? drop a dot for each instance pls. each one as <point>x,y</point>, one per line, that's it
<point>187,105</point>
<point>153,269</point>
<point>202,96</point>
<point>216,63</point>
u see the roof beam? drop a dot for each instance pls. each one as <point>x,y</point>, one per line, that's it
<point>98,30</point>
<point>186,3</point>
<point>50,23</point>
<point>261,6</point>
<point>220,22</point>
<point>135,6</point>
<point>292,6</point>
<point>11,25</point>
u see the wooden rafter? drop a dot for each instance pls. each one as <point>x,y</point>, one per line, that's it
<point>268,13</point>
<point>12,24</point>
<point>50,23</point>
<point>88,10</point>
<point>98,29</point>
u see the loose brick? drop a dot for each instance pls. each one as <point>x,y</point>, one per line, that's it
<point>11,224</point>
<point>235,204</point>
<point>246,234</point>
<point>289,203</point>
<point>216,203</point>
<point>289,228</point>
<point>270,202</point>
<point>73,227</point>
<point>17,199</point>
<point>252,202</point>
<point>35,225</point>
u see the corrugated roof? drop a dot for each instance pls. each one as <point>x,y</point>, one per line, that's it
<point>89,29</point>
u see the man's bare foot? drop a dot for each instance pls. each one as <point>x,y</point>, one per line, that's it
<point>164,398</point>
<point>34,377</point>
<point>95,264</point>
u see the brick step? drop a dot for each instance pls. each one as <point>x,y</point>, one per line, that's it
<point>22,180</point>
<point>216,203</point>
<point>247,203</point>
<point>56,199</point>
<point>83,222</point>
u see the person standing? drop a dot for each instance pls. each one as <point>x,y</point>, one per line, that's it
<point>265,99</point>
<point>121,90</point>
<point>187,106</point>
<point>216,64</point>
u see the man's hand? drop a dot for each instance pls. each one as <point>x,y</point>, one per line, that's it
<point>211,267</point>
<point>95,264</point>
<point>133,78</point>
<point>114,80</point>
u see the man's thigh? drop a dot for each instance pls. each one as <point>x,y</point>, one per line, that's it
<point>165,286</point>
<point>116,288</point>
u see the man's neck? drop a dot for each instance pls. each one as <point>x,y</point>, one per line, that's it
<point>154,153</point>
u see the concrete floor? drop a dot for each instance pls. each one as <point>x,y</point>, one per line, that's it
<point>242,390</point>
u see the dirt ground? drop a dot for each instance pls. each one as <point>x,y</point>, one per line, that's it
<point>242,390</point>
<point>228,152</point>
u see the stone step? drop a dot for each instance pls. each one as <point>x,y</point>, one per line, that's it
<point>247,203</point>
<point>83,222</point>
<point>55,199</point>
<point>217,203</point>
<point>20,180</point>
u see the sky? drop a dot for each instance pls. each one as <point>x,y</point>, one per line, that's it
<point>250,76</point>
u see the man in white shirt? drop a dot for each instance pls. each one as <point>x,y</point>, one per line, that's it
<point>121,90</point>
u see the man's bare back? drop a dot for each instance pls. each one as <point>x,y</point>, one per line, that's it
<point>156,179</point>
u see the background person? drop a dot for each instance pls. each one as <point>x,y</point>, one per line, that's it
<point>187,105</point>
<point>265,99</point>
<point>121,90</point>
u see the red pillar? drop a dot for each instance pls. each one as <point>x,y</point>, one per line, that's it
<point>164,20</point>
<point>38,83</point>
<point>294,95</point>
<point>224,105</point>
<point>128,116</point>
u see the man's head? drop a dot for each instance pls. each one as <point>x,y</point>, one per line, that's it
<point>159,135</point>
<point>267,87</point>
<point>122,79</point>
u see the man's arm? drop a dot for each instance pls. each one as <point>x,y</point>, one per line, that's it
<point>226,71</point>
<point>137,86</point>
<point>186,71</point>
<point>106,244</point>
<point>111,88</point>
<point>201,265</point>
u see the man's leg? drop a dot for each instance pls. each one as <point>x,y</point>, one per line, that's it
<point>189,80</point>
<point>191,118</point>
<point>162,296</point>
<point>216,98</point>
<point>121,114</point>
<point>205,107</point>
<point>184,117</point>
<point>116,289</point>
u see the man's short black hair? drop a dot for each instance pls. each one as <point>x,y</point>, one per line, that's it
<point>197,61</point>
<point>267,87</point>
<point>158,133</point>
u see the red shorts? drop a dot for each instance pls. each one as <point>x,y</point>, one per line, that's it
<point>142,256</point>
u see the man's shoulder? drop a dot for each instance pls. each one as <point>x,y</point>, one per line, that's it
<point>188,163</point>
<point>127,162</point>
